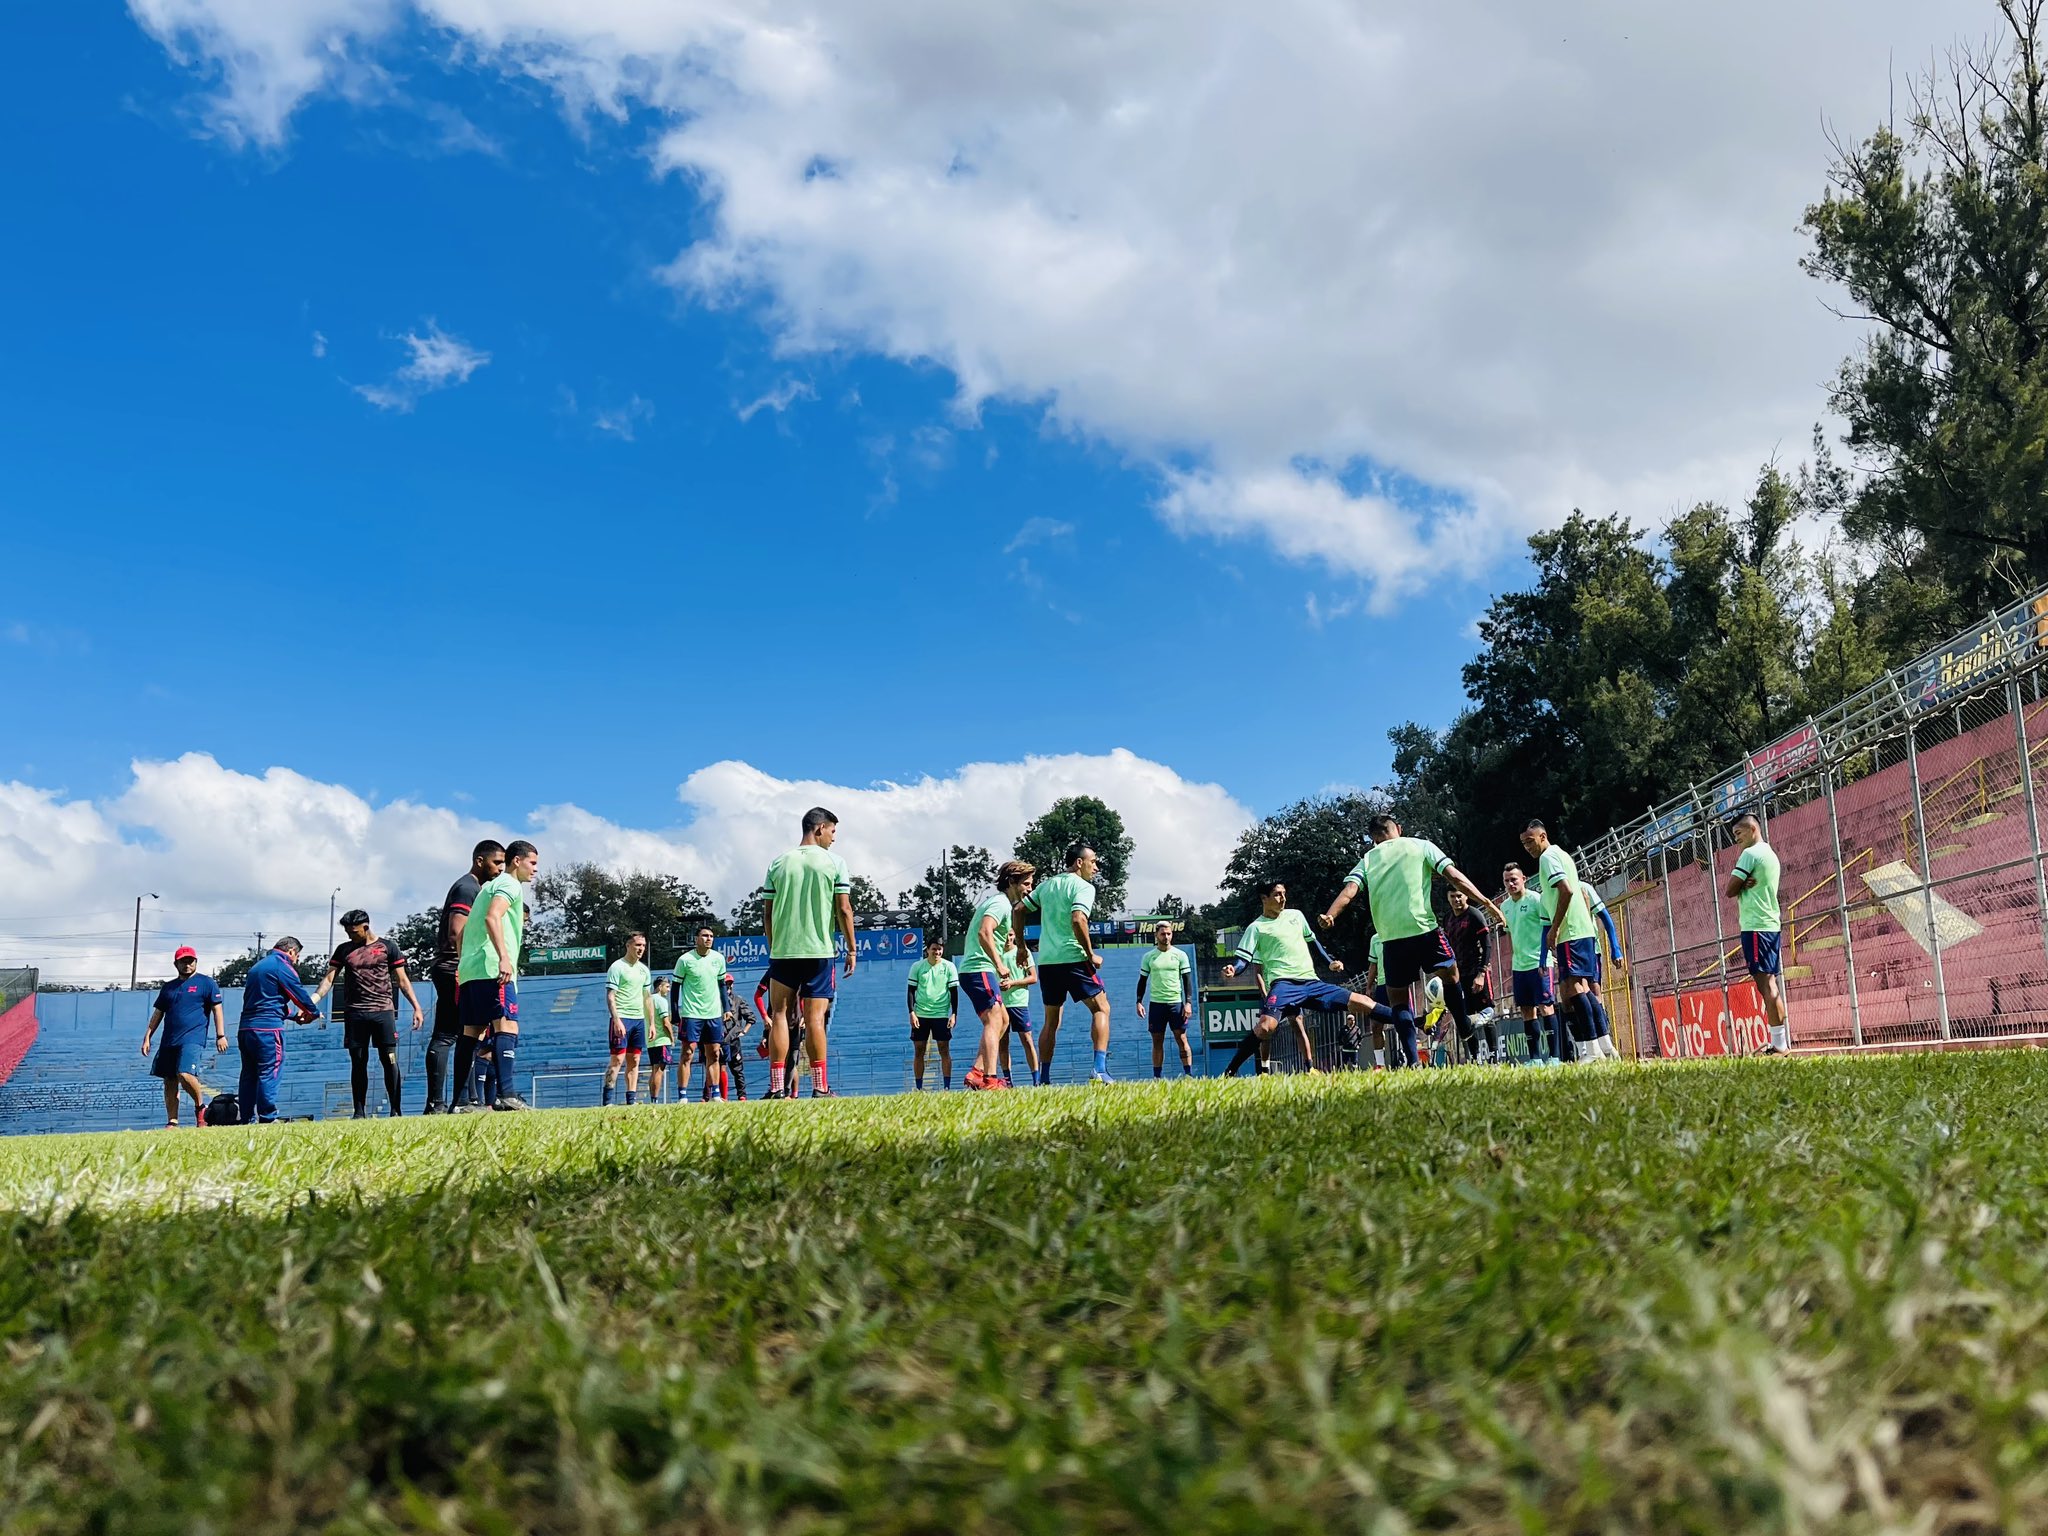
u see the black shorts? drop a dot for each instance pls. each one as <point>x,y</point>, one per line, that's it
<point>485,1003</point>
<point>447,1007</point>
<point>1407,959</point>
<point>807,978</point>
<point>1067,982</point>
<point>360,1031</point>
<point>932,1029</point>
<point>1160,1017</point>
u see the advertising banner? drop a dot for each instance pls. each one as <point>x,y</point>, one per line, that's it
<point>904,944</point>
<point>1784,757</point>
<point>1963,665</point>
<point>1699,1024</point>
<point>1227,1020</point>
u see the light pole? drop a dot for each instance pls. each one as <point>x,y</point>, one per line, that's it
<point>331,895</point>
<point>135,954</point>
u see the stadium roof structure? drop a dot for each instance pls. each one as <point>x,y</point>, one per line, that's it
<point>2006,646</point>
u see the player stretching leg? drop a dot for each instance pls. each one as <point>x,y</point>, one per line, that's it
<point>1754,885</point>
<point>985,970</point>
<point>183,1008</point>
<point>1069,969</point>
<point>1534,995</point>
<point>626,985</point>
<point>1277,944</point>
<point>807,888</point>
<point>488,974</point>
<point>1398,874</point>
<point>1568,933</point>
<point>933,1000</point>
<point>1400,1037</point>
<point>1165,971</point>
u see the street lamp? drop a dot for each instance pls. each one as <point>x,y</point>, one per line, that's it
<point>135,954</point>
<point>331,896</point>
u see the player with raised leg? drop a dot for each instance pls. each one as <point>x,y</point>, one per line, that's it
<point>1277,943</point>
<point>807,888</point>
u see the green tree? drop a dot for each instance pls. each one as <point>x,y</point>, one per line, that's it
<point>1202,921</point>
<point>944,899</point>
<point>868,900</point>
<point>1082,819</point>
<point>750,913</point>
<point>1312,845</point>
<point>416,935</point>
<point>585,904</point>
<point>1938,234</point>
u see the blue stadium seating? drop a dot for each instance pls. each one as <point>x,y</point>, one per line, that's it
<point>83,1072</point>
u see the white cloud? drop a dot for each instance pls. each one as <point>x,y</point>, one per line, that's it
<point>438,361</point>
<point>231,851</point>
<point>778,399</point>
<point>1038,530</point>
<point>622,421</point>
<point>1529,261</point>
<point>319,344</point>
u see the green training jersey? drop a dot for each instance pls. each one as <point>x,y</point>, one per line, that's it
<point>1399,876</point>
<point>1056,900</point>
<point>479,960</point>
<point>1757,906</point>
<point>997,906</point>
<point>1166,973</point>
<point>659,1030</point>
<point>697,985</point>
<point>805,885</point>
<point>630,982</point>
<point>934,985</point>
<point>1525,929</point>
<point>1376,957</point>
<point>1017,997</point>
<point>1559,877</point>
<point>1279,947</point>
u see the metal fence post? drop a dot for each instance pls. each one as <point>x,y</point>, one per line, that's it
<point>1671,932</point>
<point>1714,900</point>
<point>2019,728</point>
<point>1926,875</point>
<point>1842,903</point>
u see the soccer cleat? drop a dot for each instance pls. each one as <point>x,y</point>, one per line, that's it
<point>511,1101</point>
<point>1101,1077</point>
<point>976,1079</point>
<point>434,1109</point>
<point>823,1093</point>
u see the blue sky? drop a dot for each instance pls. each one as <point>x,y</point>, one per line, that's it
<point>742,403</point>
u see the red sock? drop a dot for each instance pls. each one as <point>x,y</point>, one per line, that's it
<point>818,1078</point>
<point>774,1079</point>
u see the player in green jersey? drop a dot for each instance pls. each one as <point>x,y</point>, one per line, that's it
<point>626,987</point>
<point>1753,883</point>
<point>807,888</point>
<point>1166,973</point>
<point>1534,992</point>
<point>704,1007</point>
<point>988,966</point>
<point>1570,935</point>
<point>1017,1002</point>
<point>1069,969</point>
<point>487,976</point>
<point>1278,944</point>
<point>661,1039</point>
<point>933,1001</point>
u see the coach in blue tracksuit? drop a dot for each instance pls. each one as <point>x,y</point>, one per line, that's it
<point>272,996</point>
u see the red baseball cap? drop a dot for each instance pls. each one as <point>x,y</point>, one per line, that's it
<point>185,952</point>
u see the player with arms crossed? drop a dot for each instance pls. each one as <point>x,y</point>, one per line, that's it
<point>1398,874</point>
<point>627,985</point>
<point>1754,885</point>
<point>1277,943</point>
<point>986,973</point>
<point>183,1008</point>
<point>488,974</point>
<point>807,888</point>
<point>1166,974</point>
<point>1569,934</point>
<point>1069,969</point>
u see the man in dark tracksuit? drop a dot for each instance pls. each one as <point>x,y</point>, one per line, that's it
<point>272,995</point>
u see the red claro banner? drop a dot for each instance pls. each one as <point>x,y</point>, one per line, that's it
<point>1697,1024</point>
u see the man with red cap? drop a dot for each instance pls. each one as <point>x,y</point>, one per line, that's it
<point>183,1007</point>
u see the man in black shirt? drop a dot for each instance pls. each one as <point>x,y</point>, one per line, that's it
<point>1472,944</point>
<point>371,972</point>
<point>486,862</point>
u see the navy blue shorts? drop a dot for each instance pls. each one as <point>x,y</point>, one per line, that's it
<point>1160,1017</point>
<point>482,1004</point>
<point>932,1029</point>
<point>173,1060</point>
<point>1067,982</point>
<point>807,978</point>
<point>1578,957</point>
<point>980,987</point>
<point>634,1039</point>
<point>1760,953</point>
<point>1533,988</point>
<point>1403,961</point>
<point>703,1031</point>
<point>660,1055</point>
<point>1289,997</point>
<point>1020,1017</point>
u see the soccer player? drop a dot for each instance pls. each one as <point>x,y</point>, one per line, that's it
<point>488,973</point>
<point>807,888</point>
<point>183,1008</point>
<point>1472,943</point>
<point>1277,943</point>
<point>704,1004</point>
<point>1398,875</point>
<point>1530,967</point>
<point>1069,969</point>
<point>1400,1037</point>
<point>735,1059</point>
<point>1165,972</point>
<point>1569,934</point>
<point>272,994</point>
<point>627,983</point>
<point>661,1039</point>
<point>486,862</point>
<point>1017,1005</point>
<point>985,974</point>
<point>1754,885</point>
<point>371,974</point>
<point>933,1000</point>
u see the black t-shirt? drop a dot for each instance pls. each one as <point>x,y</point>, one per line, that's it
<point>369,976</point>
<point>460,898</point>
<point>1470,942</point>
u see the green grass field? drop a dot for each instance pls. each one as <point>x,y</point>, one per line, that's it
<point>1770,1296</point>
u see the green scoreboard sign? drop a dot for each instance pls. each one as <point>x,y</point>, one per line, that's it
<point>561,953</point>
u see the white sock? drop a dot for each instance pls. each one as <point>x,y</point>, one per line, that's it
<point>1781,1036</point>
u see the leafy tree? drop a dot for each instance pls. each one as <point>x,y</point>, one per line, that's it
<point>1938,233</point>
<point>750,914</point>
<point>1082,819</point>
<point>944,899</point>
<point>415,935</point>
<point>1202,921</point>
<point>1311,844</point>
<point>584,904</point>
<point>868,900</point>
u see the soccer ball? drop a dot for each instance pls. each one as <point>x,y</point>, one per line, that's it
<point>1433,993</point>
